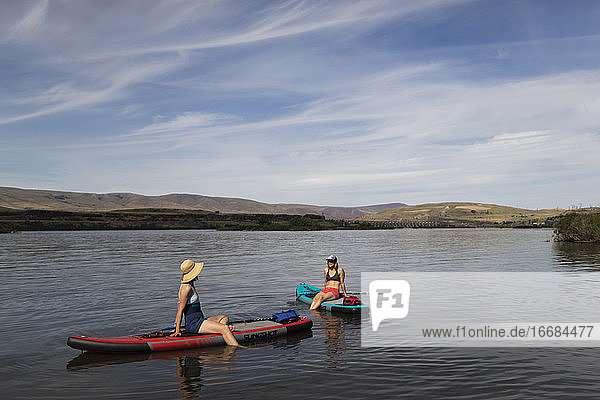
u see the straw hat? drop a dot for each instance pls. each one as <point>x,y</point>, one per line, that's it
<point>190,270</point>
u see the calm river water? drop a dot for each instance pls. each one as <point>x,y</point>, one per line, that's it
<point>55,284</point>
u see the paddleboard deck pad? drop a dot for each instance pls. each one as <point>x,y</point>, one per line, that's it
<point>306,293</point>
<point>245,332</point>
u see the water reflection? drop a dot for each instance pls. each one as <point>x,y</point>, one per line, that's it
<point>189,368</point>
<point>87,360</point>
<point>335,327</point>
<point>578,256</point>
<point>188,363</point>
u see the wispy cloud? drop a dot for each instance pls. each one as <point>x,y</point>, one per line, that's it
<point>80,92</point>
<point>275,21</point>
<point>70,51</point>
<point>186,122</point>
<point>421,109</point>
<point>31,23</point>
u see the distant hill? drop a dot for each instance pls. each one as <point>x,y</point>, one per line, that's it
<point>453,213</point>
<point>30,199</point>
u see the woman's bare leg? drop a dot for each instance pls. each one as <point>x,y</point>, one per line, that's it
<point>316,299</point>
<point>222,319</point>
<point>320,298</point>
<point>212,326</point>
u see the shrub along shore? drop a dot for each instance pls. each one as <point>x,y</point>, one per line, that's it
<point>577,227</point>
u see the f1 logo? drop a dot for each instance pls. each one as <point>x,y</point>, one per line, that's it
<point>389,299</point>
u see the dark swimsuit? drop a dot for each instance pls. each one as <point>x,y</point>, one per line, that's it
<point>194,317</point>
<point>335,277</point>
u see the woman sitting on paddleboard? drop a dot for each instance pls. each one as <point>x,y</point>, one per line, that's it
<point>189,305</point>
<point>334,278</point>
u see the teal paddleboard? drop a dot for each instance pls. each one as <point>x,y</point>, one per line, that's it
<point>305,294</point>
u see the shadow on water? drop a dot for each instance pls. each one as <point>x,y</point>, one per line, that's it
<point>577,256</point>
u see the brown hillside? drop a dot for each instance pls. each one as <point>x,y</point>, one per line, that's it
<point>29,199</point>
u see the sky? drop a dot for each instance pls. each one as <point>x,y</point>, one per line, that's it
<point>340,103</point>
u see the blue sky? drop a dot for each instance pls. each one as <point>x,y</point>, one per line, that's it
<point>322,102</point>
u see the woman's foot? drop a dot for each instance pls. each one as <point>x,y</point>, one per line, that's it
<point>231,328</point>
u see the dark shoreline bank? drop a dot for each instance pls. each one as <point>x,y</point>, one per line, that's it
<point>158,219</point>
<point>154,219</point>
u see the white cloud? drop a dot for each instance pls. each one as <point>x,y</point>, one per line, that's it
<point>187,122</point>
<point>32,22</point>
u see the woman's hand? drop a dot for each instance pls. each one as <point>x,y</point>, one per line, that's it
<point>174,334</point>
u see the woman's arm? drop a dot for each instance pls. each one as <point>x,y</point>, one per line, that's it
<point>342,283</point>
<point>184,294</point>
<point>325,270</point>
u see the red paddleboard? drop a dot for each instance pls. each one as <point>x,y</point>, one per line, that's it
<point>245,332</point>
